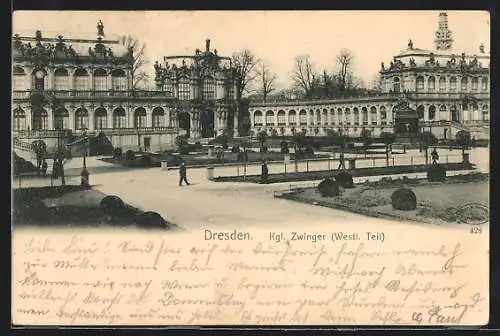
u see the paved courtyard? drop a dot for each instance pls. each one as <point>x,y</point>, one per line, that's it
<point>225,205</point>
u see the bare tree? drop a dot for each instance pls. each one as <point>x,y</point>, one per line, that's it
<point>245,63</point>
<point>139,75</point>
<point>267,80</point>
<point>344,63</point>
<point>303,75</point>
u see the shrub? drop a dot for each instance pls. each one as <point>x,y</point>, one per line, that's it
<point>344,179</point>
<point>112,204</point>
<point>436,173</point>
<point>328,188</point>
<point>151,219</point>
<point>129,155</point>
<point>117,153</point>
<point>404,199</point>
<point>309,151</point>
<point>235,149</point>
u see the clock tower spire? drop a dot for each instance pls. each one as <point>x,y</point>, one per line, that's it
<point>443,40</point>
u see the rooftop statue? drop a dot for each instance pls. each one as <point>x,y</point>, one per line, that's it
<point>481,48</point>
<point>100,28</point>
<point>410,44</point>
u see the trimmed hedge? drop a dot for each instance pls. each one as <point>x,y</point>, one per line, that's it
<point>129,155</point>
<point>328,188</point>
<point>404,199</point>
<point>344,179</point>
<point>436,173</point>
<point>112,204</point>
<point>151,219</point>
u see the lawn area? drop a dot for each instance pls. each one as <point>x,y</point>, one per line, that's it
<point>437,203</point>
<point>359,172</point>
<point>75,207</point>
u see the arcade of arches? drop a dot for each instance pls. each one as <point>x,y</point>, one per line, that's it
<point>355,117</point>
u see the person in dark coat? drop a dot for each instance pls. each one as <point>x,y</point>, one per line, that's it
<point>264,173</point>
<point>44,167</point>
<point>341,162</point>
<point>183,174</point>
<point>434,156</point>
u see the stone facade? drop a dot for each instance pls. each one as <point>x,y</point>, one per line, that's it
<point>449,90</point>
<point>66,89</point>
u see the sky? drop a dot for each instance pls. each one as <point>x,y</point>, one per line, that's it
<point>276,37</point>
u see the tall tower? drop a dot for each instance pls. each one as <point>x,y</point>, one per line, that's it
<point>443,40</point>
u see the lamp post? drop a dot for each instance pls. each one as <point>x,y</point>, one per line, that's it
<point>84,182</point>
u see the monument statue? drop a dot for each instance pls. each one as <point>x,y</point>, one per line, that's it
<point>100,29</point>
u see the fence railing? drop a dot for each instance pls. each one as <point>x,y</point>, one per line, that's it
<point>331,164</point>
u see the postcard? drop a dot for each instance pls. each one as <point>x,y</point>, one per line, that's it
<point>267,168</point>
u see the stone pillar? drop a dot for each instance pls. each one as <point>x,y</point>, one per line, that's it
<point>361,121</point>
<point>235,125</point>
<point>71,85</point>
<point>49,83</point>
<point>167,117</point>
<point>109,83</point>
<point>149,117</point>
<point>91,78</point>
<point>29,118</point>
<point>50,119</point>
<point>109,117</point>
<point>195,131</point>
<point>192,95</point>
<point>91,122</point>
<point>71,119</point>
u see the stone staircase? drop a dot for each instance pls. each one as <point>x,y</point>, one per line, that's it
<point>79,147</point>
<point>23,149</point>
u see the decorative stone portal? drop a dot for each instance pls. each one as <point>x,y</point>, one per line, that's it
<point>185,122</point>
<point>405,120</point>
<point>207,121</point>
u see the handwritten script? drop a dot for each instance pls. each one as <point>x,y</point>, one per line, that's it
<point>177,279</point>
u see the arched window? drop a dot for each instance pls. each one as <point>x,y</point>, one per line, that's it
<point>432,112</point>
<point>484,84</point>
<point>18,78</point>
<point>340,116</point>
<point>454,113</point>
<point>465,84</point>
<point>158,117</point>
<point>119,80</point>
<point>230,91</point>
<point>318,117</point>
<point>81,79</point>
<point>442,112</point>
<point>281,118</point>
<point>209,88</point>
<point>19,119</point>
<point>100,80</point>
<point>61,80</point>
<point>119,118</point>
<point>324,117</point>
<point>442,84</point>
<point>61,118</point>
<point>81,119</point>
<point>420,111</point>
<point>453,84</point>
<point>356,116</point>
<point>347,113</point>
<point>168,86</point>
<point>303,117</point>
<point>39,79</point>
<point>373,112</point>
<point>332,117</point>
<point>270,118</point>
<point>40,119</point>
<point>420,83</point>
<point>140,117</point>
<point>485,113</point>
<point>364,115</point>
<point>257,118</point>
<point>431,83</point>
<point>383,116</point>
<point>396,84</point>
<point>292,117</point>
<point>184,89</point>
<point>101,118</point>
<point>474,83</point>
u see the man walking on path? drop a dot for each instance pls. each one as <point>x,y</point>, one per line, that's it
<point>182,173</point>
<point>434,156</point>
<point>341,162</point>
<point>264,173</point>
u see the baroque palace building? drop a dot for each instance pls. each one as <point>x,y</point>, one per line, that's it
<point>66,91</point>
<point>447,91</point>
